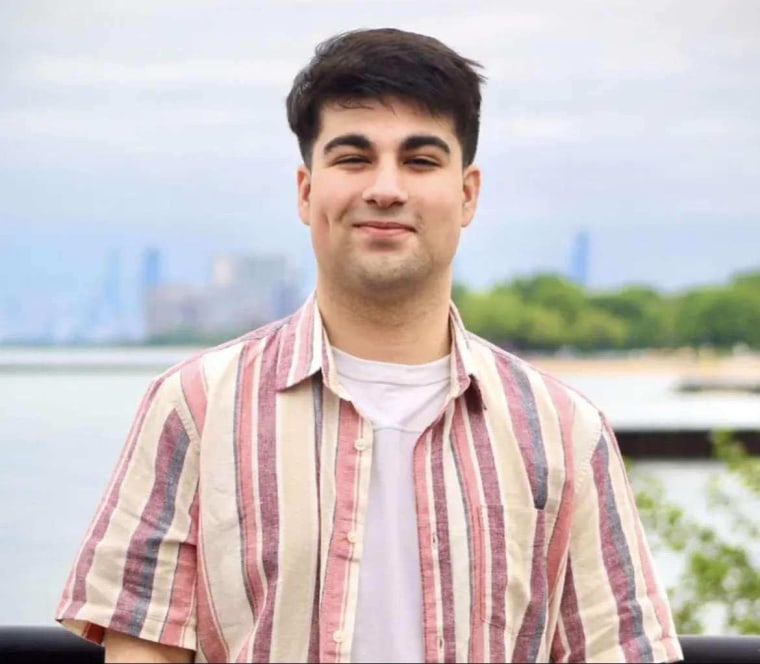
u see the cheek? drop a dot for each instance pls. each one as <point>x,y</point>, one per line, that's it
<point>328,205</point>
<point>445,216</point>
<point>446,196</point>
<point>329,200</point>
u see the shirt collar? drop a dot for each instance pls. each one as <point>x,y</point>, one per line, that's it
<point>304,349</point>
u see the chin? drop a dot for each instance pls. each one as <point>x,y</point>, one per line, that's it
<point>382,275</point>
<point>391,281</point>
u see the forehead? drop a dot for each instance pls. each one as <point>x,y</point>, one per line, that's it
<point>380,120</point>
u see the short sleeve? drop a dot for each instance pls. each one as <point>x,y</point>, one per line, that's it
<point>136,569</point>
<point>613,608</point>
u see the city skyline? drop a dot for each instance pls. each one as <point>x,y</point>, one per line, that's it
<point>238,291</point>
<point>102,298</point>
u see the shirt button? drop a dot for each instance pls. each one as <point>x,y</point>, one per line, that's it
<point>338,636</point>
<point>351,536</point>
<point>361,444</point>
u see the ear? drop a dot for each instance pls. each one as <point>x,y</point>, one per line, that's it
<point>470,193</point>
<point>303,180</point>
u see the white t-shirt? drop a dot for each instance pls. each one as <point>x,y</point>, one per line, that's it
<point>401,401</point>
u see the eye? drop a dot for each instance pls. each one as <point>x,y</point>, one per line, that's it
<point>351,159</point>
<point>425,162</point>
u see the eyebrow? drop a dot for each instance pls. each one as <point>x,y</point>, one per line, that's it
<point>349,140</point>
<point>413,142</point>
<point>424,140</point>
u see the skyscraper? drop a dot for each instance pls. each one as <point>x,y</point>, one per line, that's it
<point>150,282</point>
<point>151,273</point>
<point>579,258</point>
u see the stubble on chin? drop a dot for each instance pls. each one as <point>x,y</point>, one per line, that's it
<point>388,276</point>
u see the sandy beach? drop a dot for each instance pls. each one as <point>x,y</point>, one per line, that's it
<point>687,363</point>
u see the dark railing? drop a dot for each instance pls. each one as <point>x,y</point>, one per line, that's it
<point>43,645</point>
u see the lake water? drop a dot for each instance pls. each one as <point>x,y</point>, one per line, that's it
<point>63,419</point>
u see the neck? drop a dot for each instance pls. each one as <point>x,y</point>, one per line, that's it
<point>409,329</point>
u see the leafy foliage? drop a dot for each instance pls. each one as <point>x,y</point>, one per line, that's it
<point>548,312</point>
<point>720,576</point>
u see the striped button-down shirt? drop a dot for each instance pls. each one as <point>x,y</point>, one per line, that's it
<point>233,522</point>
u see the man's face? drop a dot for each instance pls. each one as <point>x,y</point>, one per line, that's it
<point>386,197</point>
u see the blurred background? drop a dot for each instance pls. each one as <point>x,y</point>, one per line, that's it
<point>148,208</point>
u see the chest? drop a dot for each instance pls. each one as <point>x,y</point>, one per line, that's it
<point>294,472</point>
<point>283,501</point>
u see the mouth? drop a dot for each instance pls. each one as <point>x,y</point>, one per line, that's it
<point>384,229</point>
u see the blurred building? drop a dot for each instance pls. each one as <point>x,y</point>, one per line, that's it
<point>101,316</point>
<point>247,291</point>
<point>579,259</point>
<point>151,269</point>
<point>172,309</point>
<point>244,292</point>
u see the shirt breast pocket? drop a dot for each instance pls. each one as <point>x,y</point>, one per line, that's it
<point>512,587</point>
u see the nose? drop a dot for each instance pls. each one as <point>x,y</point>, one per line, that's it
<point>386,188</point>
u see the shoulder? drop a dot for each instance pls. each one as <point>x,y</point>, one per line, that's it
<point>509,378</point>
<point>189,383</point>
<point>217,359</point>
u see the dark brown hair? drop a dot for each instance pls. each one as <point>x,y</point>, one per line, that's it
<point>383,64</point>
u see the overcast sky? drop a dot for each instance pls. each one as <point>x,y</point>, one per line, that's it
<point>128,123</point>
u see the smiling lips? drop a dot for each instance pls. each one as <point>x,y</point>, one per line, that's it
<point>384,229</point>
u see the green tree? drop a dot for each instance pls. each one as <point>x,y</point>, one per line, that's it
<point>553,292</point>
<point>540,328</point>
<point>718,572</point>
<point>719,317</point>
<point>492,315</point>
<point>643,311</point>
<point>459,293</point>
<point>595,329</point>
<point>749,281</point>
<point>547,312</point>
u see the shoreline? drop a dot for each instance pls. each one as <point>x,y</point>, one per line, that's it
<point>687,363</point>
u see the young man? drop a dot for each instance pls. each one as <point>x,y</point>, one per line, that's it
<point>365,480</point>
